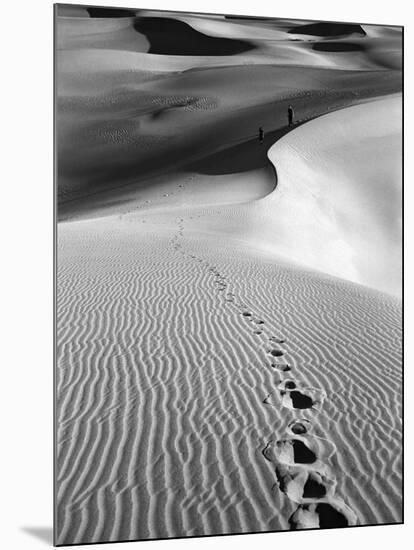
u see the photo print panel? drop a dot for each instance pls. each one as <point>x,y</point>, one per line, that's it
<point>228,274</point>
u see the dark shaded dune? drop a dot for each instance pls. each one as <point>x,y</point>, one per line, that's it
<point>172,37</point>
<point>100,165</point>
<point>328,29</point>
<point>250,155</point>
<point>338,47</point>
<point>104,13</point>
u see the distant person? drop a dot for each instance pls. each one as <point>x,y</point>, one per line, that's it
<point>291,114</point>
<point>261,134</point>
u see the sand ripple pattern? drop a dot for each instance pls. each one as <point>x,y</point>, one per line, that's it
<point>167,349</point>
<point>300,462</point>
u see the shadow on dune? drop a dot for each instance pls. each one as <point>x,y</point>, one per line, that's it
<point>104,13</point>
<point>172,37</point>
<point>328,29</point>
<point>246,156</point>
<point>108,156</point>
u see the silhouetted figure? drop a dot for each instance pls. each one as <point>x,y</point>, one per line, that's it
<point>290,115</point>
<point>261,134</point>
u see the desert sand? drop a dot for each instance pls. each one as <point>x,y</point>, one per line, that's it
<point>229,348</point>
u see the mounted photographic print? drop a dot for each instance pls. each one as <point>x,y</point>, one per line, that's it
<point>228,274</point>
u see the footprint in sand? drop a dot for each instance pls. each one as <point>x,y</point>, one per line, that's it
<point>287,385</point>
<point>221,284</point>
<point>275,352</point>
<point>293,398</point>
<point>301,461</point>
<point>325,515</point>
<point>283,367</point>
<point>276,340</point>
<point>301,449</point>
<point>267,399</point>
<point>301,475</point>
<point>305,486</point>
<point>300,398</point>
<point>290,452</point>
<point>301,464</point>
<point>299,427</point>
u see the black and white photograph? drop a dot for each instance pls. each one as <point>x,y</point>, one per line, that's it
<point>228,310</point>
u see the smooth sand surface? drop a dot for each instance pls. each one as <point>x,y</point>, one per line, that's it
<point>339,194</point>
<point>229,322</point>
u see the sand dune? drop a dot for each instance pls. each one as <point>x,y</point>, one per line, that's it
<point>228,320</point>
<point>162,382</point>
<point>186,117</point>
<point>197,336</point>
<point>218,39</point>
<point>331,169</point>
<point>115,124</point>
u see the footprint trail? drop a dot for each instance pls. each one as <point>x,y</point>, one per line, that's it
<point>300,459</point>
